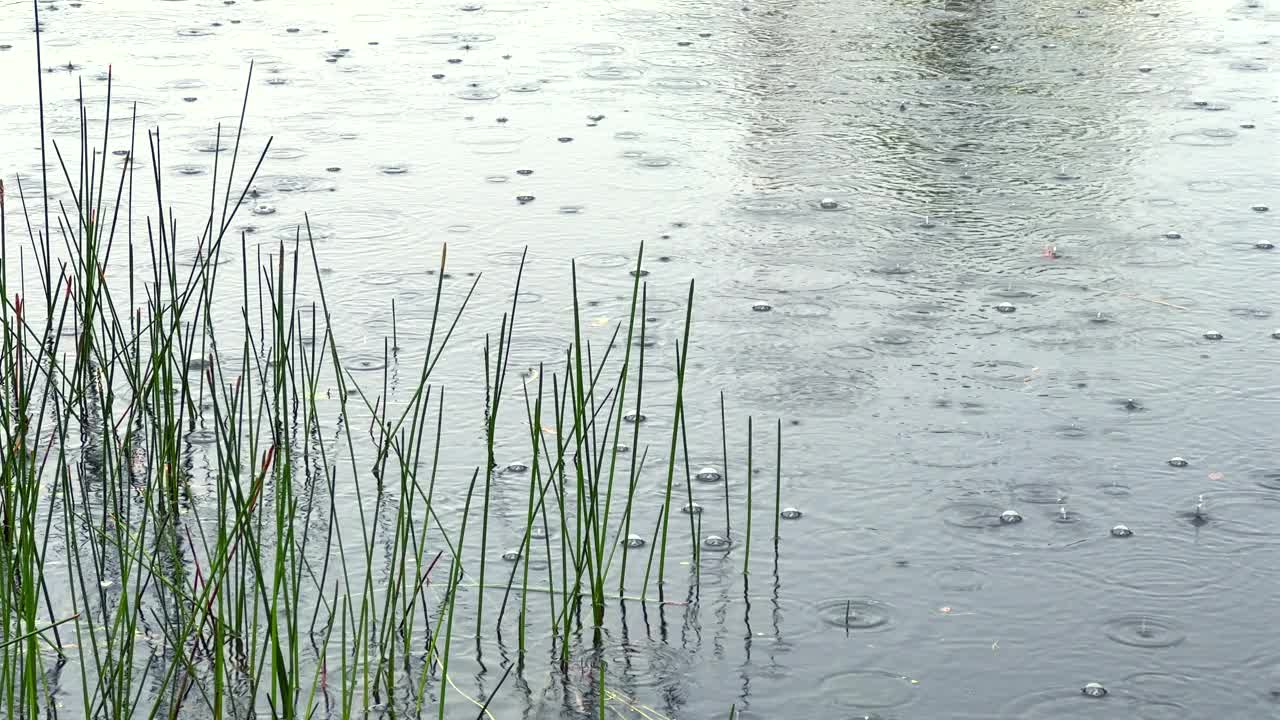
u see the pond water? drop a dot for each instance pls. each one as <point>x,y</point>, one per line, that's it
<point>976,256</point>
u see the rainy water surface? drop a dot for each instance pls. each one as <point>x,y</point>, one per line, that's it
<point>1003,269</point>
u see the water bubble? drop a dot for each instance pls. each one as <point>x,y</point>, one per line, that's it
<point>635,418</point>
<point>708,475</point>
<point>692,509</point>
<point>511,555</point>
<point>1010,517</point>
<point>264,210</point>
<point>1173,235</point>
<point>715,542</point>
<point>517,467</point>
<point>631,542</point>
<point>1212,335</point>
<point>1275,334</point>
<point>1260,208</point>
<point>829,204</point>
<point>762,307</point>
<point>1121,531</point>
<point>1264,245</point>
<point>393,170</point>
<point>791,513</point>
<point>524,172</point>
<point>565,139</point>
<point>1176,461</point>
<point>1005,307</point>
<point>524,199</point>
<point>1094,689</point>
<point>1144,68</point>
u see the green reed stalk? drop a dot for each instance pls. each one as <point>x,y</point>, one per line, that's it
<point>746,555</point>
<point>777,487</point>
<point>682,353</point>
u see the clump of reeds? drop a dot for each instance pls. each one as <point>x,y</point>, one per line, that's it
<point>306,568</point>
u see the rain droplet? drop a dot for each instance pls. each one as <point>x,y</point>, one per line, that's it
<point>1212,335</point>
<point>1006,307</point>
<point>1176,461</point>
<point>1010,517</point>
<point>264,210</point>
<point>1094,689</point>
<point>517,467</point>
<point>692,509</point>
<point>511,555</point>
<point>1121,531</point>
<point>790,514</point>
<point>631,542</point>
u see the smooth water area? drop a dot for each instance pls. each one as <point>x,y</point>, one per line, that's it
<point>978,256</point>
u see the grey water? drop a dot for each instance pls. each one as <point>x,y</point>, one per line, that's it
<point>979,256</point>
